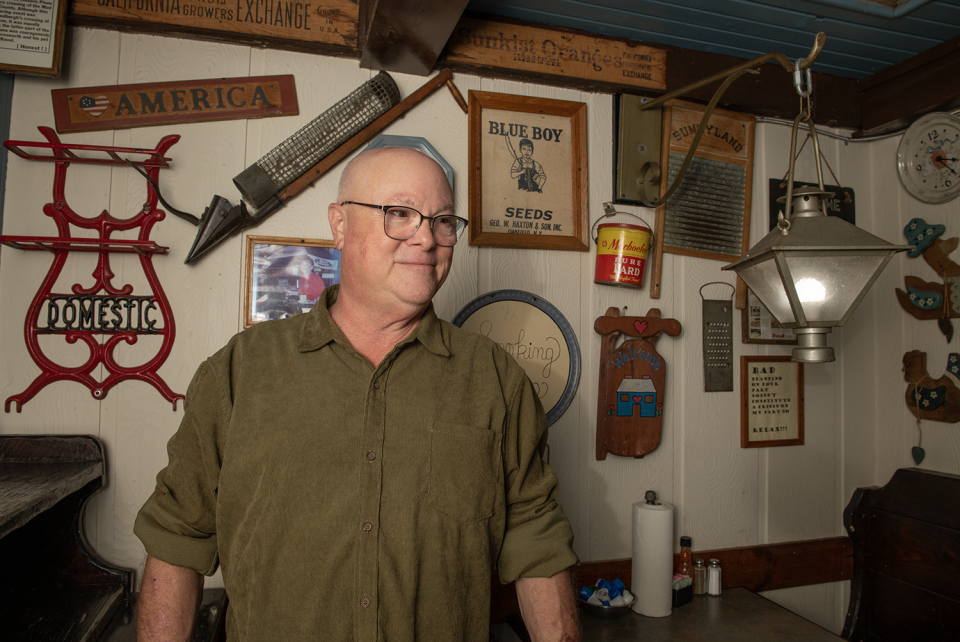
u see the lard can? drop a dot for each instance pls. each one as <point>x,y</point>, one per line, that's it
<point>621,254</point>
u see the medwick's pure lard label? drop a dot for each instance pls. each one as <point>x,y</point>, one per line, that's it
<point>621,254</point>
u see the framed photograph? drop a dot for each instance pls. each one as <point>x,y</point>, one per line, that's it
<point>771,402</point>
<point>286,276</point>
<point>32,41</point>
<point>759,326</point>
<point>537,335</point>
<point>528,172</point>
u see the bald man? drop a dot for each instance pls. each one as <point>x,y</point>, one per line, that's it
<point>357,471</point>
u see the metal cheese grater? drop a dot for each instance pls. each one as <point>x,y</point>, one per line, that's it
<point>718,341</point>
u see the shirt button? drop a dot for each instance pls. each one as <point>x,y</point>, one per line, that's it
<point>367,527</point>
<point>365,602</point>
<point>376,385</point>
<point>371,455</point>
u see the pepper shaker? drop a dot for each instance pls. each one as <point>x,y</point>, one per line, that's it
<point>713,577</point>
<point>699,577</point>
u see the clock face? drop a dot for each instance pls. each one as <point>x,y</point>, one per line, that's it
<point>927,159</point>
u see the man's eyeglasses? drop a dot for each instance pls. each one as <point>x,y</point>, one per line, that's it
<point>401,223</point>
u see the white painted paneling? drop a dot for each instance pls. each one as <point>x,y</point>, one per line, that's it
<point>858,430</point>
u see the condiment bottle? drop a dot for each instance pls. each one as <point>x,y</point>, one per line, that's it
<point>713,577</point>
<point>699,577</point>
<point>686,567</point>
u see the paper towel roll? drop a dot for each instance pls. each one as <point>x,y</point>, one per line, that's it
<point>653,558</point>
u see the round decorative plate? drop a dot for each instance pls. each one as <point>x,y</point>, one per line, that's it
<point>534,333</point>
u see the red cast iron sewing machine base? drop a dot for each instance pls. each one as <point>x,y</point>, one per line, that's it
<point>101,354</point>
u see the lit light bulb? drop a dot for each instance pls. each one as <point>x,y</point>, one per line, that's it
<point>810,290</point>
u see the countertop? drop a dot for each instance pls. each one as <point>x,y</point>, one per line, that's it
<point>736,615</point>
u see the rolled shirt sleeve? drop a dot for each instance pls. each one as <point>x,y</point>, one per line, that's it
<point>177,525</point>
<point>538,541</point>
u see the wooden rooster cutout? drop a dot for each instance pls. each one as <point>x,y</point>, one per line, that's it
<point>928,300</point>
<point>632,383</point>
<point>929,398</point>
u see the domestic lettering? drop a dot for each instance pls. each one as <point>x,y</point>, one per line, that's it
<point>101,314</point>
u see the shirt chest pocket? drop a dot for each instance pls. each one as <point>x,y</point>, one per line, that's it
<point>463,471</point>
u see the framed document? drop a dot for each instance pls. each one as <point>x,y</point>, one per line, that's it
<point>534,333</point>
<point>286,276</point>
<point>759,326</point>
<point>771,402</point>
<point>528,172</point>
<point>31,36</point>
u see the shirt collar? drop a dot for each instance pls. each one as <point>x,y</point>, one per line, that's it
<point>319,328</point>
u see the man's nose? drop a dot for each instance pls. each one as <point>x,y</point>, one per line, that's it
<point>424,234</point>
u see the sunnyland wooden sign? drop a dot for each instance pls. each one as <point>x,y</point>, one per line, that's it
<point>83,109</point>
<point>331,22</point>
<point>486,43</point>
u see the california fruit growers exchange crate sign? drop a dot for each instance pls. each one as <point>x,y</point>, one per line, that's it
<point>486,43</point>
<point>83,109</point>
<point>330,22</point>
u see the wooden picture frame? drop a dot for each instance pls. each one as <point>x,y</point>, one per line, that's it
<point>528,172</point>
<point>771,402</point>
<point>275,285</point>
<point>759,326</point>
<point>31,54</point>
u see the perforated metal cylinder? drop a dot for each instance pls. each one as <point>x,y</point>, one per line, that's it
<point>317,139</point>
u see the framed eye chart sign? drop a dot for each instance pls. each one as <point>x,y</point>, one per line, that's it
<point>771,402</point>
<point>528,172</point>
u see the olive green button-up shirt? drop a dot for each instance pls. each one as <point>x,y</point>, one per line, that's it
<point>352,502</point>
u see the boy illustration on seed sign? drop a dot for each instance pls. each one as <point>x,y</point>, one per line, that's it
<point>528,172</point>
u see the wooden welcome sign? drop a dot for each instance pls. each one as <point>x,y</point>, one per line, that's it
<point>631,393</point>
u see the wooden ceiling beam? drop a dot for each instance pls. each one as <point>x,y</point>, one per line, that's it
<point>406,36</point>
<point>898,95</point>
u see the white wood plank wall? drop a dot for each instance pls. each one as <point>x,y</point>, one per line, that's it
<point>858,430</point>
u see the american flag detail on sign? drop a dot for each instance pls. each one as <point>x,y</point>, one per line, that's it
<point>94,106</point>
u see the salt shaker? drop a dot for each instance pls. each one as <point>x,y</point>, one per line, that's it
<point>713,577</point>
<point>699,577</point>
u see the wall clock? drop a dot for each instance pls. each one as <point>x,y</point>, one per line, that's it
<point>927,159</point>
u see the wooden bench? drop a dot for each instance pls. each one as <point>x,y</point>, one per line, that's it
<point>53,586</point>
<point>906,544</point>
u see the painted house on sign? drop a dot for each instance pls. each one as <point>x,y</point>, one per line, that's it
<point>636,392</point>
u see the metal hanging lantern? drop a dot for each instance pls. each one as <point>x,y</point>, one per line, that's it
<point>812,271</point>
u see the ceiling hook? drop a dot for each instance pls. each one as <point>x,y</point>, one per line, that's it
<point>803,85</point>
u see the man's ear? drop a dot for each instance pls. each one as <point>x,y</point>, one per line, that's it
<point>337,220</point>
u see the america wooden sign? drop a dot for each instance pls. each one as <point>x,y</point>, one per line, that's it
<point>486,43</point>
<point>84,109</point>
<point>332,22</point>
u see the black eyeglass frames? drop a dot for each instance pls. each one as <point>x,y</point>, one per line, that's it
<point>401,223</point>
